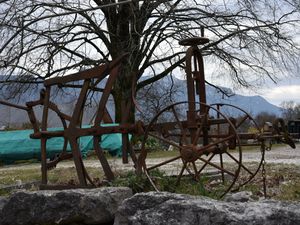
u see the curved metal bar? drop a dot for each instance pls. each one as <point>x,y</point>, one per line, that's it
<point>242,110</point>
<point>195,78</point>
<point>247,116</point>
<point>285,135</point>
<point>13,105</point>
<point>163,163</point>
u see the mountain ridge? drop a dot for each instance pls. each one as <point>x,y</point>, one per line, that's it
<point>65,101</point>
<point>252,104</point>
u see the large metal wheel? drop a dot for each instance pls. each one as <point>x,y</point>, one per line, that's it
<point>64,154</point>
<point>249,133</point>
<point>48,107</point>
<point>197,147</point>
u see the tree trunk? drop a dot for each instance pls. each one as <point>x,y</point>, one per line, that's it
<point>123,93</point>
<point>124,30</point>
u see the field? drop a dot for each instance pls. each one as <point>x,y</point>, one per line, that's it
<point>282,175</point>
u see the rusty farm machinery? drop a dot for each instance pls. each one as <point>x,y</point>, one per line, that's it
<point>206,139</point>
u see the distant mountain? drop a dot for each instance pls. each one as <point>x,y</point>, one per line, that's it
<point>66,100</point>
<point>251,104</point>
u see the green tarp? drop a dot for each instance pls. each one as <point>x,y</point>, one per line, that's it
<point>17,145</point>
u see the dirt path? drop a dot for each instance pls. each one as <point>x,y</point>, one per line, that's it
<point>283,154</point>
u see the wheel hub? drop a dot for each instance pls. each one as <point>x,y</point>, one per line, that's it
<point>189,153</point>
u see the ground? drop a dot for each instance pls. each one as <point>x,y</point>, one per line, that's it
<point>282,164</point>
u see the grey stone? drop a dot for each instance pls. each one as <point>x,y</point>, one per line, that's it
<point>242,196</point>
<point>3,201</point>
<point>77,206</point>
<point>165,208</point>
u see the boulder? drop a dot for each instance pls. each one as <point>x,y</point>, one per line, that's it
<point>76,206</point>
<point>160,208</point>
<point>242,196</point>
<point>3,201</point>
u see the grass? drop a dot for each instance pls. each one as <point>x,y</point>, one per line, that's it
<point>10,177</point>
<point>140,183</point>
<point>55,176</point>
<point>290,192</point>
<point>162,153</point>
<point>283,181</point>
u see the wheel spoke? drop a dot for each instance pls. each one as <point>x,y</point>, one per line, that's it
<point>222,166</point>
<point>163,163</point>
<point>151,181</point>
<point>180,174</point>
<point>180,125</point>
<point>216,166</point>
<point>242,165</point>
<point>201,150</point>
<point>166,141</point>
<point>205,163</point>
<point>242,121</point>
<point>188,170</point>
<point>196,176</point>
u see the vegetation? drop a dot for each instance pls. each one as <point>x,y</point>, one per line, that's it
<point>263,117</point>
<point>290,110</point>
<point>283,181</point>
<point>140,183</point>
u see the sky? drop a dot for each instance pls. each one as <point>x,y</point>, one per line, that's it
<point>288,89</point>
<point>284,91</point>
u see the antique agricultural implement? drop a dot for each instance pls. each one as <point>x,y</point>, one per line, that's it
<point>207,140</point>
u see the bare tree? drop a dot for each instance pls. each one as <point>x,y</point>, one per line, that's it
<point>155,97</point>
<point>250,40</point>
<point>290,110</point>
<point>263,117</point>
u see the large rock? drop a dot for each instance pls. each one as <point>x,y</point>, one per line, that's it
<point>242,196</point>
<point>166,208</point>
<point>3,201</point>
<point>77,206</point>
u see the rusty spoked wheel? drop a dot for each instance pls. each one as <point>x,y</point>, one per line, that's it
<point>248,132</point>
<point>188,148</point>
<point>64,154</point>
